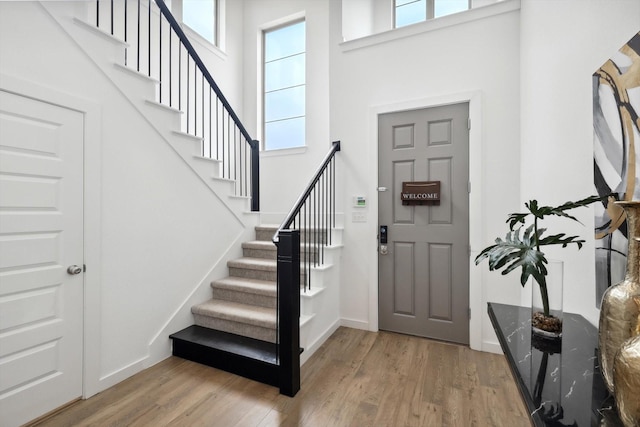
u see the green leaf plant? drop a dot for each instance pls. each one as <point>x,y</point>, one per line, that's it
<point>521,246</point>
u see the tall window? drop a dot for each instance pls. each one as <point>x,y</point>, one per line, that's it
<point>284,87</point>
<point>201,16</point>
<point>409,12</point>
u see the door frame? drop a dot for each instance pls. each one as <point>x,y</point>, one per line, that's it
<point>474,98</point>
<point>92,241</point>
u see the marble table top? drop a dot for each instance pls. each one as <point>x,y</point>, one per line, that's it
<point>560,383</point>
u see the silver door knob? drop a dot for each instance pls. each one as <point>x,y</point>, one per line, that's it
<point>74,269</point>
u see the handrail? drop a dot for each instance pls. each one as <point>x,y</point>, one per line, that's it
<point>314,214</point>
<point>158,47</point>
<point>335,147</point>
<point>203,69</point>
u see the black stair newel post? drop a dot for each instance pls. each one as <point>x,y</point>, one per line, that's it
<point>289,310</point>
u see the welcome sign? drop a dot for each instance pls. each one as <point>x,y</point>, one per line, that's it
<point>420,193</point>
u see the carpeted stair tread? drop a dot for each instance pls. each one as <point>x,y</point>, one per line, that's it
<point>265,232</point>
<point>254,264</point>
<point>260,249</point>
<point>253,286</point>
<point>265,245</point>
<point>237,312</point>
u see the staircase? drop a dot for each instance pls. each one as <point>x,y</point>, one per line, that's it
<point>244,303</point>
<point>236,330</point>
<point>239,329</point>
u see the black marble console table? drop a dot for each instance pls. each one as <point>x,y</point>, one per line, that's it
<point>561,386</point>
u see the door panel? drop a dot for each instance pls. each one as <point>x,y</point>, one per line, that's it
<point>441,170</point>
<point>424,277</point>
<point>441,286</point>
<point>41,179</point>
<point>402,171</point>
<point>403,279</point>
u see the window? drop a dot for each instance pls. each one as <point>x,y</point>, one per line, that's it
<point>284,86</point>
<point>409,12</point>
<point>201,17</point>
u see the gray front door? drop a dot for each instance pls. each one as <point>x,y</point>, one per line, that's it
<point>423,277</point>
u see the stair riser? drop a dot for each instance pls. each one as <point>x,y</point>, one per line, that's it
<point>134,84</point>
<point>320,278</point>
<point>317,236</point>
<point>103,48</point>
<point>265,234</point>
<point>273,254</point>
<point>242,204</point>
<point>260,253</point>
<point>253,274</point>
<point>164,119</point>
<point>206,167</point>
<point>247,273</point>
<point>252,331</point>
<point>311,257</point>
<point>245,298</point>
<point>254,369</point>
<point>184,144</point>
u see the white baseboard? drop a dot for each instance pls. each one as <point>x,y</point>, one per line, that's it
<point>491,347</point>
<point>119,375</point>
<point>314,346</point>
<point>355,324</point>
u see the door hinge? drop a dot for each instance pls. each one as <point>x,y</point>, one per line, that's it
<point>469,187</point>
<point>469,313</point>
<point>469,123</point>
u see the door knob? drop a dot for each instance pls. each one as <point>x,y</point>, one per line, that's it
<point>74,269</point>
<point>384,249</point>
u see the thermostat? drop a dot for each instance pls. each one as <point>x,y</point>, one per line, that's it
<point>359,202</point>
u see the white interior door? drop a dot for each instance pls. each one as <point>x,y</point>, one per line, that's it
<point>41,303</point>
<point>423,275</point>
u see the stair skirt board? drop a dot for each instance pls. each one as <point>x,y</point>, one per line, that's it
<point>247,357</point>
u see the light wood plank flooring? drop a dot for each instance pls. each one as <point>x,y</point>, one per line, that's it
<point>357,378</point>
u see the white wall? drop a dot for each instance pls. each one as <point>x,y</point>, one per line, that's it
<point>285,173</point>
<point>477,56</point>
<point>224,62</point>
<point>159,234</point>
<point>562,44</point>
<point>361,18</point>
<point>531,68</point>
<point>534,53</point>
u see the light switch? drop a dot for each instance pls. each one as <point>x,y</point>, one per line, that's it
<point>359,216</point>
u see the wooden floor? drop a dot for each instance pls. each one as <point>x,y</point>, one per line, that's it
<point>357,378</point>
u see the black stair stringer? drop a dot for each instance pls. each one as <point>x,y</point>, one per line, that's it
<point>247,357</point>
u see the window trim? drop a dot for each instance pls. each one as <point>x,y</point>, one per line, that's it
<point>283,23</point>
<point>217,22</point>
<point>474,14</point>
<point>430,5</point>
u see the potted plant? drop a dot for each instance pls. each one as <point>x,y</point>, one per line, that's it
<point>521,248</point>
